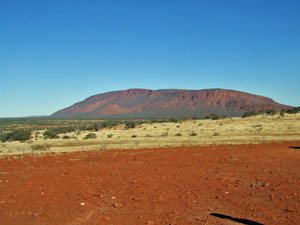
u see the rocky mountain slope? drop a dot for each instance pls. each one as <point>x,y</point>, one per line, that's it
<point>168,103</point>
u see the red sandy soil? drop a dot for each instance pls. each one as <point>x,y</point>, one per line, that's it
<point>259,183</point>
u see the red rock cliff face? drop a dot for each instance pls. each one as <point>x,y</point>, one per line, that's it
<point>144,103</point>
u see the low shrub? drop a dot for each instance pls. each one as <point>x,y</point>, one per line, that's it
<point>130,124</point>
<point>294,110</point>
<point>16,135</point>
<point>44,147</point>
<point>93,127</point>
<point>50,134</point>
<point>173,120</point>
<point>104,124</point>
<point>2,137</point>
<point>90,136</point>
<point>178,134</point>
<point>271,112</point>
<point>213,117</point>
<point>109,135</point>
<point>193,133</point>
<point>66,137</point>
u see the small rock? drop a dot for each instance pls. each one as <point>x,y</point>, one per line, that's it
<point>260,184</point>
<point>4,173</point>
<point>82,203</point>
<point>117,205</point>
<point>198,218</point>
<point>289,210</point>
<point>150,223</point>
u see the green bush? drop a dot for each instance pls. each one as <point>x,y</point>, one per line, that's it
<point>54,132</point>
<point>90,136</point>
<point>109,135</point>
<point>193,133</point>
<point>178,134</point>
<point>16,135</point>
<point>93,127</point>
<point>130,124</point>
<point>294,110</point>
<point>50,134</point>
<point>213,117</point>
<point>173,120</point>
<point>109,123</point>
<point>66,137</point>
<point>271,112</point>
<point>248,114</point>
<point>2,137</point>
<point>268,112</point>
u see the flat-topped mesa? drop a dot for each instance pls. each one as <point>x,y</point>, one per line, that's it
<point>168,103</point>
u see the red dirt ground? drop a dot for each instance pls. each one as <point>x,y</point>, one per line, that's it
<point>260,183</point>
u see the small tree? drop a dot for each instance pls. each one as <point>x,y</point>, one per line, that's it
<point>16,135</point>
<point>51,134</point>
<point>130,124</point>
<point>271,112</point>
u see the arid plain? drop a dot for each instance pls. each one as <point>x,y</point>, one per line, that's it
<point>225,171</point>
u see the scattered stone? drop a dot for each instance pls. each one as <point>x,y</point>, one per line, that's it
<point>198,218</point>
<point>150,223</point>
<point>289,210</point>
<point>117,205</point>
<point>260,184</point>
<point>82,203</point>
<point>4,173</point>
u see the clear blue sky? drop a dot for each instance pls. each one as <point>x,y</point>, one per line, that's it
<point>55,53</point>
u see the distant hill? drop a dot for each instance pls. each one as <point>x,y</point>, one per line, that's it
<point>169,103</point>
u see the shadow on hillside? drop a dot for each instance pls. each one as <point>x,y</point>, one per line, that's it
<point>238,220</point>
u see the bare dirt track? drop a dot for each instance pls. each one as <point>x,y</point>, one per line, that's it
<point>229,184</point>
